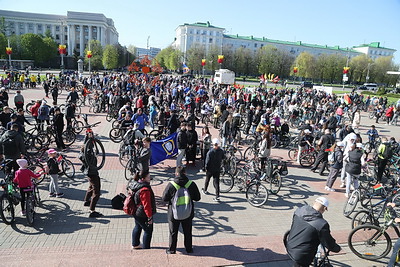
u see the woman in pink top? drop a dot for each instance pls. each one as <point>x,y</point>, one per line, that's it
<point>23,179</point>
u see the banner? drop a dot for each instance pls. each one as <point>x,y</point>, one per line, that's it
<point>185,68</point>
<point>163,149</point>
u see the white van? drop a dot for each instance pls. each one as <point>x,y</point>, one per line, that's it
<point>371,86</point>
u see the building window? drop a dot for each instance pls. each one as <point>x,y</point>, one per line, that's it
<point>210,40</point>
<point>77,28</point>
<point>30,26</point>
<point>21,26</point>
<point>198,31</point>
<point>94,29</point>
<point>48,27</point>
<point>78,46</point>
<point>57,36</point>
<point>39,27</point>
<point>57,28</point>
<point>255,45</point>
<point>65,37</point>
<point>86,28</point>
<point>262,45</point>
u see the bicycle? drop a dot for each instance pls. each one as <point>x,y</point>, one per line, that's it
<point>93,148</point>
<point>67,167</point>
<point>10,197</point>
<point>371,242</point>
<point>32,200</point>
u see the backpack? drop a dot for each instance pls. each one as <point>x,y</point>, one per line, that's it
<point>387,153</point>
<point>9,145</point>
<point>130,206</point>
<point>182,203</point>
<point>118,201</point>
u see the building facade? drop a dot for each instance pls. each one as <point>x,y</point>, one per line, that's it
<point>74,30</point>
<point>207,35</point>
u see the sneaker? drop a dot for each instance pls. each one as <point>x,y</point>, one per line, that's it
<point>23,213</point>
<point>60,195</point>
<point>342,185</point>
<point>331,189</point>
<point>351,187</point>
<point>137,247</point>
<point>204,191</point>
<point>86,204</point>
<point>52,195</point>
<point>95,214</point>
<point>170,251</point>
<point>346,195</point>
<point>326,188</point>
<point>216,199</point>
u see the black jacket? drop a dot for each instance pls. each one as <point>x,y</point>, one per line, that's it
<point>58,121</point>
<point>173,123</point>
<point>354,164</point>
<point>137,187</point>
<point>309,229</point>
<point>170,190</point>
<point>182,140</point>
<point>214,159</point>
<point>20,145</point>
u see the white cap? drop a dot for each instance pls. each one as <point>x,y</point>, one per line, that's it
<point>215,141</point>
<point>323,201</point>
<point>352,136</point>
<point>339,143</point>
<point>307,131</point>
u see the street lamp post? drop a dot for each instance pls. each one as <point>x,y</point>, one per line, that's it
<point>367,77</point>
<point>9,51</point>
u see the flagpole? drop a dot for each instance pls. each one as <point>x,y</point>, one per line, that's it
<point>9,55</point>
<point>90,67</point>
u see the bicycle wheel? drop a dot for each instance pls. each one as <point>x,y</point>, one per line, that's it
<point>94,149</point>
<point>38,200</point>
<point>130,169</point>
<point>116,135</point>
<point>7,209</point>
<point>30,209</point>
<point>307,160</point>
<point>154,134</point>
<point>240,180</point>
<point>28,108</point>
<point>69,137</point>
<point>226,183</point>
<point>369,243</point>
<point>248,154</point>
<point>275,183</point>
<point>68,168</point>
<point>351,203</point>
<point>256,194</point>
<point>232,166</point>
<point>78,128</point>
<point>37,168</point>
<point>123,155</point>
<point>110,116</point>
<point>363,217</point>
<point>292,153</point>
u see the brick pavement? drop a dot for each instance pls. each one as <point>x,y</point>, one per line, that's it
<point>228,233</point>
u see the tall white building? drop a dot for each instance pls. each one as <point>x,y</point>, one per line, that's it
<point>208,35</point>
<point>75,29</point>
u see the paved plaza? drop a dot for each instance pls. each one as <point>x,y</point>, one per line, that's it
<point>228,233</point>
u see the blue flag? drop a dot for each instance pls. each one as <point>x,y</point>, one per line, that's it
<point>185,68</point>
<point>163,149</point>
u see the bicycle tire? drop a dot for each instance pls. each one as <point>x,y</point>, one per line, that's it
<point>363,217</point>
<point>38,200</point>
<point>78,127</point>
<point>257,194</point>
<point>351,203</point>
<point>396,201</point>
<point>109,117</point>
<point>248,154</point>
<point>7,209</point>
<point>240,180</point>
<point>38,168</point>
<point>274,142</point>
<point>233,166</point>
<point>130,169</point>
<point>123,155</point>
<point>69,137</point>
<point>68,168</point>
<point>94,147</point>
<point>28,108</point>
<point>292,153</point>
<point>226,183</point>
<point>116,135</point>
<point>275,182</point>
<point>307,160</point>
<point>30,210</point>
<point>363,241</point>
<point>154,134</point>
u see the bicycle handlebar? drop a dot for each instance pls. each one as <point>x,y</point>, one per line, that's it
<point>91,125</point>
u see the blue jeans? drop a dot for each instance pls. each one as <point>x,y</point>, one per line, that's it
<point>396,248</point>
<point>339,119</point>
<point>141,224</point>
<point>151,121</point>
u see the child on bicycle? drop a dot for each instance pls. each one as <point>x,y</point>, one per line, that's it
<point>53,169</point>
<point>23,179</point>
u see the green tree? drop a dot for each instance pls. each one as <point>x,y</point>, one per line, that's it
<point>359,67</point>
<point>194,55</point>
<point>96,61</point>
<point>110,57</point>
<point>212,58</point>
<point>268,60</point>
<point>306,64</point>
<point>3,45</point>
<point>48,33</point>
<point>169,58</point>
<point>379,71</point>
<point>34,48</point>
<point>3,25</point>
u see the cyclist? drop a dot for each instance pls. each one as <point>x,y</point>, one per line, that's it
<point>305,143</point>
<point>308,230</point>
<point>372,135</point>
<point>23,179</point>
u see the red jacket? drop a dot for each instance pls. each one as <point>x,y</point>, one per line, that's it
<point>389,112</point>
<point>145,198</point>
<point>23,178</point>
<point>35,110</point>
